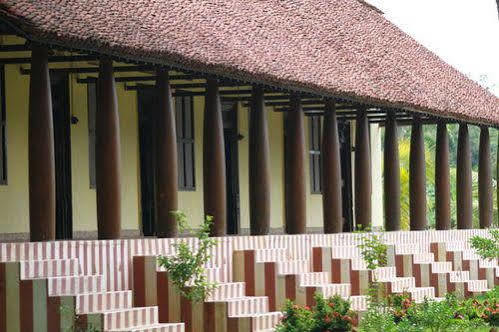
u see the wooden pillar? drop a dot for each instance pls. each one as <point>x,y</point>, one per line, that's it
<point>41,150</point>
<point>214,188</point>
<point>463,179</point>
<point>363,179</point>
<point>108,155</point>
<point>259,166</point>
<point>391,174</point>
<point>332,202</point>
<point>417,177</point>
<point>295,189</point>
<point>485,198</point>
<point>442,178</point>
<point>166,159</point>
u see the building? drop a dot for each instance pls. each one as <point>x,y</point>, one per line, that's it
<point>115,113</point>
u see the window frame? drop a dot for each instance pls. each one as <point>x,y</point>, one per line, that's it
<point>185,141</point>
<point>315,162</point>
<point>3,130</point>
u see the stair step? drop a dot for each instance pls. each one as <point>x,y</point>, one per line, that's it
<point>227,291</point>
<point>248,305</point>
<point>67,286</point>
<point>167,327</point>
<point>130,318</point>
<point>314,279</point>
<point>418,294</point>
<point>293,267</point>
<point>266,321</point>
<point>358,302</point>
<point>104,301</point>
<point>38,269</point>
<point>329,290</point>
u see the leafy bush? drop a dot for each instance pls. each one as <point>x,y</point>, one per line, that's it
<point>399,313</point>
<point>331,314</point>
<point>487,248</point>
<point>186,269</point>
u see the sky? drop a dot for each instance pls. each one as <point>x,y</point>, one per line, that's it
<point>464,33</point>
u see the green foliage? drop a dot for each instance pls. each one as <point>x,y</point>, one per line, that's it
<point>186,268</point>
<point>487,248</point>
<point>429,132</point>
<point>331,314</point>
<point>399,313</point>
<point>373,251</point>
<point>77,323</point>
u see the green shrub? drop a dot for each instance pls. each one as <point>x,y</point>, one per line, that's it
<point>487,248</point>
<point>186,268</point>
<point>399,313</point>
<point>331,314</point>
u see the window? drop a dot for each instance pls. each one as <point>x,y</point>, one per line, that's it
<point>92,109</point>
<point>3,129</point>
<point>315,154</point>
<point>185,143</point>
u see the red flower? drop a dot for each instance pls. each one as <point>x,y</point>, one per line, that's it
<point>347,319</point>
<point>331,304</point>
<point>307,308</point>
<point>327,319</point>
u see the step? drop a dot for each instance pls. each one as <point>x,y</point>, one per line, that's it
<point>104,301</point>
<point>227,291</point>
<point>385,273</point>
<point>418,294</point>
<point>441,267</point>
<point>67,286</point>
<point>248,305</point>
<point>358,302</point>
<point>423,258</point>
<point>272,255</point>
<point>459,276</point>
<point>329,290</point>
<point>401,284</point>
<point>166,327</point>
<point>477,286</point>
<point>129,318</point>
<point>345,252</point>
<point>310,279</point>
<point>264,321</point>
<point>40,269</point>
<point>293,267</point>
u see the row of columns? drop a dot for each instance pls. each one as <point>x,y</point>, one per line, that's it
<point>417,178</point>
<point>42,168</point>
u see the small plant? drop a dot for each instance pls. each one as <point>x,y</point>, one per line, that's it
<point>187,268</point>
<point>399,313</point>
<point>76,322</point>
<point>374,253</point>
<point>487,248</point>
<point>331,314</point>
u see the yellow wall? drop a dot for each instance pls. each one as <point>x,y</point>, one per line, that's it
<point>14,196</point>
<point>14,202</point>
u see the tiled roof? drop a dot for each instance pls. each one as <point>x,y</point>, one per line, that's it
<point>331,47</point>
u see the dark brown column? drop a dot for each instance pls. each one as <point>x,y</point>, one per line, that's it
<point>214,161</point>
<point>332,202</point>
<point>295,189</point>
<point>259,166</point>
<point>463,178</point>
<point>108,155</point>
<point>363,180</point>
<point>391,174</point>
<point>166,159</point>
<point>442,178</point>
<point>41,150</point>
<point>485,180</point>
<point>417,177</point>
